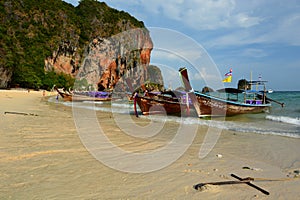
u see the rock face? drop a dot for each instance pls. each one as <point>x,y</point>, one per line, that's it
<point>110,60</point>
<point>40,36</point>
<point>107,61</point>
<point>64,60</point>
<point>5,76</point>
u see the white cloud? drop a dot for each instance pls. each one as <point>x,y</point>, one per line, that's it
<point>229,29</point>
<point>254,53</point>
<point>202,14</point>
<point>197,14</point>
<point>285,30</point>
<point>243,20</point>
<point>240,37</point>
<point>235,22</point>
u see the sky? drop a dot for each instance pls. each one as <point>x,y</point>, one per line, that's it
<point>254,38</point>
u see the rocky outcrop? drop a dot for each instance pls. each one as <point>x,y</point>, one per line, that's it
<point>38,36</point>
<point>107,60</point>
<point>5,77</point>
<point>110,60</point>
<point>64,60</point>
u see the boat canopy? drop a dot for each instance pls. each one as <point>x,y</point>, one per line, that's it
<point>230,90</point>
<point>259,82</point>
<point>253,91</point>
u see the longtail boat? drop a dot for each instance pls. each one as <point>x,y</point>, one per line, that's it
<point>169,102</point>
<point>84,96</point>
<point>214,104</point>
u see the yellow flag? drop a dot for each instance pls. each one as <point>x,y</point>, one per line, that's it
<point>227,79</point>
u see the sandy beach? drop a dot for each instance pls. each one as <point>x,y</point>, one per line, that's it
<point>43,157</point>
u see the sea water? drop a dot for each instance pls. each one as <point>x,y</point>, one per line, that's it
<point>282,121</point>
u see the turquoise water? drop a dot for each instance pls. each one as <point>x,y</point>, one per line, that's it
<point>292,104</point>
<point>283,121</point>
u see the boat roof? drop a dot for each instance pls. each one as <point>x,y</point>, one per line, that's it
<point>230,90</point>
<point>231,102</point>
<point>259,82</point>
<point>253,91</point>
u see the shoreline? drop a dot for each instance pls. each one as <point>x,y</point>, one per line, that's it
<point>43,157</point>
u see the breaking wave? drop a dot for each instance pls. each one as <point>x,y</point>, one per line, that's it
<point>284,119</point>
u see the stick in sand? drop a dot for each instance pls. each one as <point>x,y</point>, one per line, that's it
<point>20,113</point>
<point>250,184</point>
<point>221,183</point>
<point>240,181</point>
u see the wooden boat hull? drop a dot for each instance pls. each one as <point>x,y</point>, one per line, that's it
<point>65,96</point>
<point>85,98</point>
<point>152,105</point>
<point>211,106</point>
<point>74,97</point>
<point>208,106</point>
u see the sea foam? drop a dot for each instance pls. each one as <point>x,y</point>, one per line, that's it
<point>284,119</point>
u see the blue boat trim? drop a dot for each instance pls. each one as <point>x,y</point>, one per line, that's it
<point>231,102</point>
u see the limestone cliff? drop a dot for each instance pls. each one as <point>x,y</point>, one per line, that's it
<point>107,60</point>
<point>5,76</point>
<point>64,60</point>
<point>123,55</point>
<point>43,42</point>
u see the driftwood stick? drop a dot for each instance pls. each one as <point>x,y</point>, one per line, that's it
<point>20,113</point>
<point>252,185</point>
<point>240,181</point>
<point>221,183</point>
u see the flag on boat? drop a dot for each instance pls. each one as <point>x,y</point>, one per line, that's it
<point>228,77</point>
<point>229,73</point>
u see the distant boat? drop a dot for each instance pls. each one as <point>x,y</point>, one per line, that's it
<point>85,96</point>
<point>267,91</point>
<point>214,104</point>
<point>270,91</point>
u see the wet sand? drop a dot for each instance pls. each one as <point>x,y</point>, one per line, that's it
<point>42,157</point>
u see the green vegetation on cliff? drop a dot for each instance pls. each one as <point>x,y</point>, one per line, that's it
<point>31,30</point>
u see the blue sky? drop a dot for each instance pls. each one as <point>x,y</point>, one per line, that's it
<point>258,36</point>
